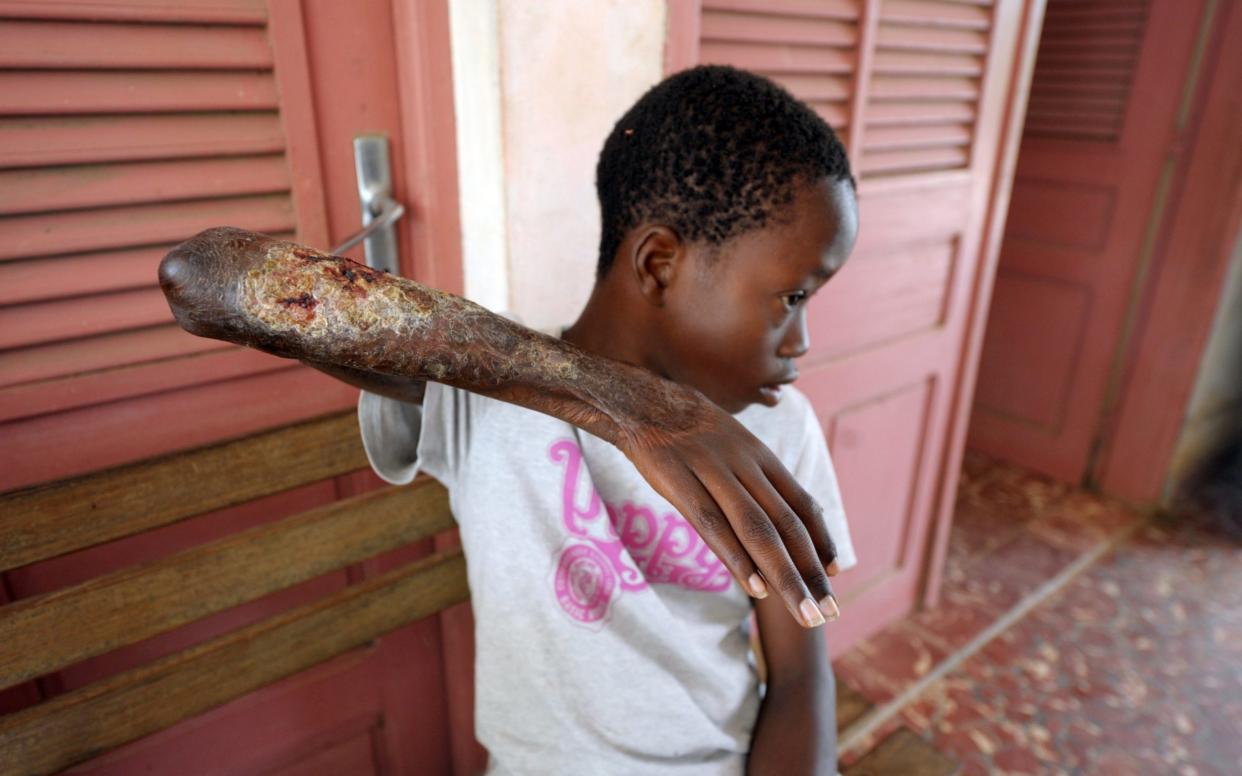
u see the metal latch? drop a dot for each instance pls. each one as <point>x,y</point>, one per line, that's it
<point>379,210</point>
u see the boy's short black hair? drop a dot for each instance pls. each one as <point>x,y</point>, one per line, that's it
<point>712,152</point>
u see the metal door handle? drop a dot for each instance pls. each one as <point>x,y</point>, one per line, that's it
<point>379,210</point>
<point>392,211</point>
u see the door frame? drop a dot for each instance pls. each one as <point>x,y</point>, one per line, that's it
<point>1028,23</point>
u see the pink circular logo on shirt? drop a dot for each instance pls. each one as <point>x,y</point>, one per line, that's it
<point>585,583</point>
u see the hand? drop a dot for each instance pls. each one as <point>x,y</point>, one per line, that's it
<point>742,501</point>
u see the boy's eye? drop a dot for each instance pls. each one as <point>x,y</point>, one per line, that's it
<point>793,299</point>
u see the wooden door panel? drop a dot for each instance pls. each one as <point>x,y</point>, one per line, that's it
<point>1024,257</point>
<point>880,458</point>
<point>883,427</point>
<point>902,292</point>
<point>1066,214</point>
<point>903,279</point>
<point>1033,390</point>
<point>1100,128</point>
<point>353,755</point>
<point>125,147</point>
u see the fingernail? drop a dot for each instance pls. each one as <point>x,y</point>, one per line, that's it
<point>833,569</point>
<point>811,614</point>
<point>757,587</point>
<point>829,606</point>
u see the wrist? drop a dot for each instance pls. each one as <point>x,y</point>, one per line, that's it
<point>642,409</point>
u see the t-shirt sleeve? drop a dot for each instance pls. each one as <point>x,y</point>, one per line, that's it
<point>403,439</point>
<point>814,471</point>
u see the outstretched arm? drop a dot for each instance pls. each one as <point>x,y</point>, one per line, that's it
<point>368,327</point>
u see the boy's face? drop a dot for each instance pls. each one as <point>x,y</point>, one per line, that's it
<point>736,321</point>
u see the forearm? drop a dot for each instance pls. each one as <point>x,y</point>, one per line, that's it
<point>796,733</point>
<point>355,323</point>
<point>379,331</point>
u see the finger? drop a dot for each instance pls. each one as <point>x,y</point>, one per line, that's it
<point>796,539</point>
<point>764,544</point>
<point>809,512</point>
<point>691,499</point>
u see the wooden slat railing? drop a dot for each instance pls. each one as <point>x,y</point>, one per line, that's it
<point>61,517</point>
<point>45,633</point>
<point>105,714</point>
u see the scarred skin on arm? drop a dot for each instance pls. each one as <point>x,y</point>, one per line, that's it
<point>388,335</point>
<point>292,301</point>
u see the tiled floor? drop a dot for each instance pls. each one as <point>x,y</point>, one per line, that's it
<point>1133,667</point>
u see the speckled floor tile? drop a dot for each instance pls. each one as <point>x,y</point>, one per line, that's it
<point>1012,531</point>
<point>1134,667</point>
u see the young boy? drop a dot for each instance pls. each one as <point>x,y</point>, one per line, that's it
<point>610,635</point>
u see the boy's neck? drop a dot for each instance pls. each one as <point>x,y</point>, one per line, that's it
<point>608,326</point>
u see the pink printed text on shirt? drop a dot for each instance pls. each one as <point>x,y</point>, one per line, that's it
<point>633,547</point>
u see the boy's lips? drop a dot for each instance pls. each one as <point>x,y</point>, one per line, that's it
<point>785,380</point>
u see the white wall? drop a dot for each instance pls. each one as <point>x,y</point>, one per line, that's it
<point>480,152</point>
<point>566,71</point>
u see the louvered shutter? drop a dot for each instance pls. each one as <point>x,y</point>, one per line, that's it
<point>907,72</point>
<point>124,129</point>
<point>808,46</point>
<point>1085,69</point>
<point>126,125</point>
<point>922,93</point>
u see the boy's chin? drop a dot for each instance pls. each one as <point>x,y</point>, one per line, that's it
<point>764,396</point>
<point>736,405</point>
<point>738,400</point>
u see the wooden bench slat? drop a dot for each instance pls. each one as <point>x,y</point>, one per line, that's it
<point>45,633</point>
<point>106,714</point>
<point>61,517</point>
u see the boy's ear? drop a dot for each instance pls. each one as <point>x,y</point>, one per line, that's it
<point>658,255</point>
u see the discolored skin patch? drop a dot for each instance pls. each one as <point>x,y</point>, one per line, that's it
<point>294,289</point>
<point>293,301</point>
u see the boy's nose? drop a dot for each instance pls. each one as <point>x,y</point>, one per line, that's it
<point>797,339</point>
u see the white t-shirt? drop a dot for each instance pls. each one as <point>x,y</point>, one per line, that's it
<point>609,638</point>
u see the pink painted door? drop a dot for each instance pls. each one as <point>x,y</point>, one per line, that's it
<point>1100,138</point>
<point>923,94</point>
<point>125,127</point>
